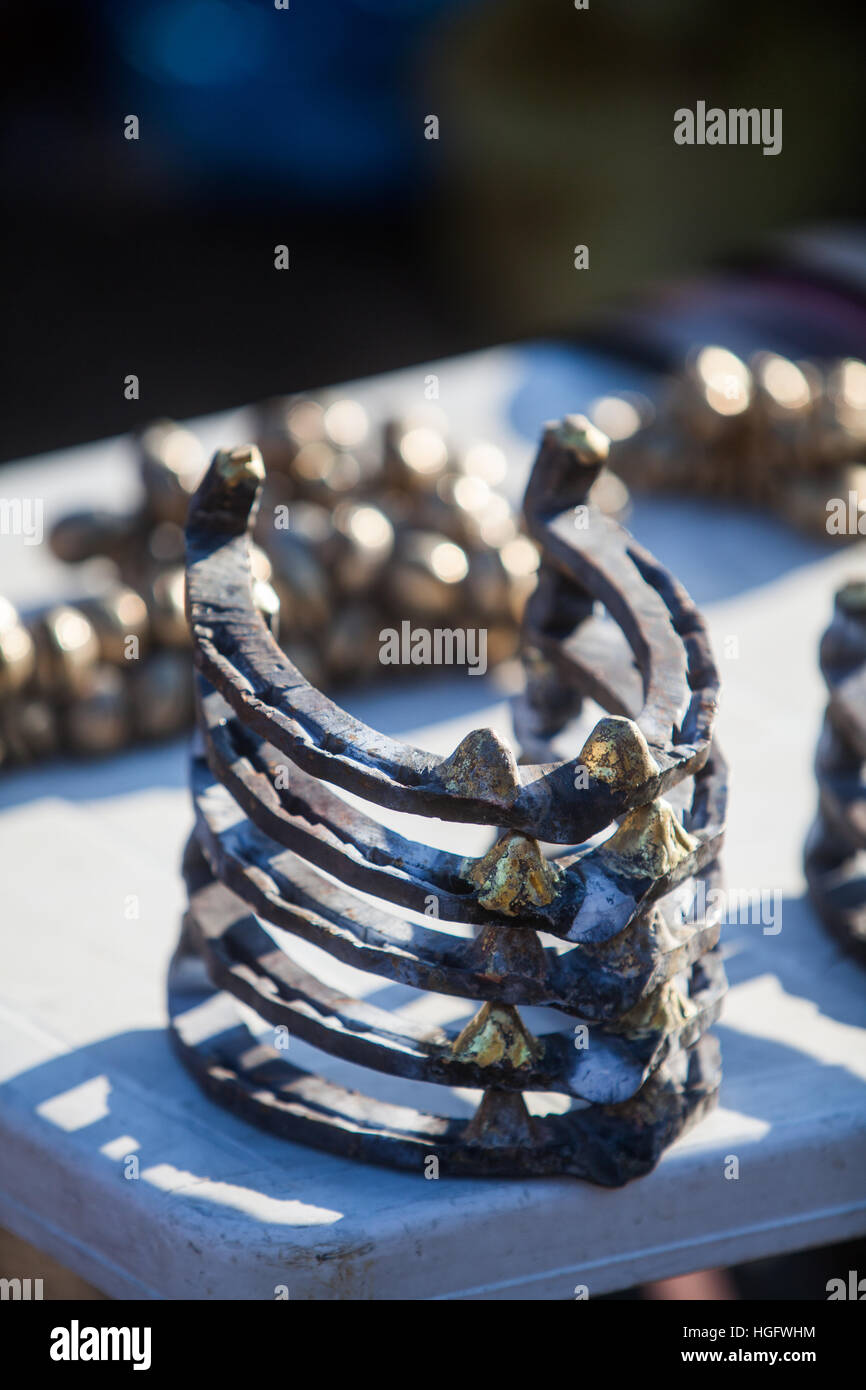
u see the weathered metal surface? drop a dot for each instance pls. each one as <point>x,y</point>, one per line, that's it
<point>236,653</point>
<point>591,895</point>
<point>626,950</point>
<point>242,957</point>
<point>284,889</point>
<point>835,854</point>
<point>607,1144</point>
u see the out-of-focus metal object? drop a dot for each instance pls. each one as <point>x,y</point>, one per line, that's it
<point>28,730</point>
<point>17,651</point>
<point>120,620</point>
<point>789,436</point>
<point>67,649</point>
<point>835,854</point>
<point>84,535</point>
<point>161,696</point>
<point>611,934</point>
<point>363,526</point>
<point>98,719</point>
<point>416,454</point>
<point>426,575</point>
<point>171,462</point>
<point>165,603</point>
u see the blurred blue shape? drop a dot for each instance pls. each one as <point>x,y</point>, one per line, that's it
<point>320,98</point>
<point>198,42</point>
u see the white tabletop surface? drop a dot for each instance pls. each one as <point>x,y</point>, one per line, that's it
<point>221,1210</point>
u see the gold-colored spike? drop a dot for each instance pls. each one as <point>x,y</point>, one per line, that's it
<point>501,1121</point>
<point>663,1011</point>
<point>514,875</point>
<point>496,1034</point>
<point>481,764</point>
<point>617,753</point>
<point>241,465</point>
<point>582,438</point>
<point>649,841</point>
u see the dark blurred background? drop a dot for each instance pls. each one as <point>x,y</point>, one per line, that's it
<point>306,127</point>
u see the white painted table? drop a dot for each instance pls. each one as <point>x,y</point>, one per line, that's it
<point>220,1210</point>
